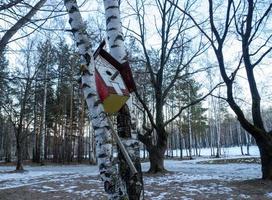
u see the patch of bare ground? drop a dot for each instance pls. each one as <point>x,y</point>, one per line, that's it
<point>182,185</point>
<point>63,188</point>
<point>255,188</point>
<point>91,188</point>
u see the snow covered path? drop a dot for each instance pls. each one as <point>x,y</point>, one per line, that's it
<point>186,180</point>
<point>191,170</point>
<point>38,174</point>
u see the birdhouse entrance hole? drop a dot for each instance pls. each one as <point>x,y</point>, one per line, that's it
<point>109,73</point>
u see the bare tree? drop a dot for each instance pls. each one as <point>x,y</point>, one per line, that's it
<point>18,24</point>
<point>249,19</point>
<point>165,68</point>
<point>19,113</point>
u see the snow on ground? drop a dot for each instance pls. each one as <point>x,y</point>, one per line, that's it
<point>34,175</point>
<point>188,177</point>
<point>206,152</point>
<point>187,171</point>
<point>269,195</point>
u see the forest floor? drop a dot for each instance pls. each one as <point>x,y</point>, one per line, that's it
<point>201,178</point>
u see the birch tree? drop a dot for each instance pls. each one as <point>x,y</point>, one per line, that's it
<point>43,132</point>
<point>117,50</point>
<point>108,172</point>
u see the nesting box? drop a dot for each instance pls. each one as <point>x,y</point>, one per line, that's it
<point>110,86</point>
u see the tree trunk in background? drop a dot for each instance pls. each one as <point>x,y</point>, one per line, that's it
<point>34,134</point>
<point>265,147</point>
<point>43,132</point>
<point>156,157</point>
<point>25,145</point>
<point>190,131</point>
<point>156,149</point>
<point>70,131</point>
<point>240,138</point>
<point>55,144</point>
<point>92,149</point>
<point>8,144</point>
<point>116,43</point>
<point>81,131</point>
<point>19,150</point>
<point>113,185</point>
<point>247,142</point>
<point>181,145</point>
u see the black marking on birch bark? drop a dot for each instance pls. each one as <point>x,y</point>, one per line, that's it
<point>73,9</point>
<point>120,192</point>
<point>87,48</point>
<point>97,102</point>
<point>79,80</point>
<point>85,85</point>
<point>103,116</point>
<point>74,30</point>
<point>90,95</point>
<point>108,175</point>
<point>107,127</point>
<point>95,127</point>
<point>70,21</point>
<point>110,188</point>
<point>125,58</point>
<point>80,42</point>
<point>103,155</point>
<point>102,166</point>
<point>88,58</point>
<point>110,18</point>
<point>112,29</point>
<point>86,72</point>
<point>112,7</point>
<point>119,37</point>
<point>114,46</point>
<point>133,145</point>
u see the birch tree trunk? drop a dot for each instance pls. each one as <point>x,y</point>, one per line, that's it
<point>218,132</point>
<point>43,132</point>
<point>190,128</point>
<point>108,172</point>
<point>125,125</point>
<point>247,141</point>
<point>240,137</point>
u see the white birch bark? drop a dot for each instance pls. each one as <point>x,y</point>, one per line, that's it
<point>117,50</point>
<point>247,142</point>
<point>108,172</point>
<point>190,126</point>
<point>42,144</point>
<point>240,137</point>
<point>114,30</point>
<point>190,132</point>
<point>218,130</point>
